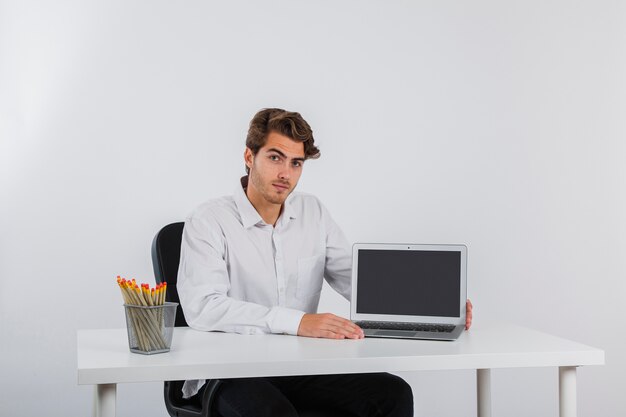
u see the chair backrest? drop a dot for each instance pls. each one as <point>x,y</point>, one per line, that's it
<point>165,260</point>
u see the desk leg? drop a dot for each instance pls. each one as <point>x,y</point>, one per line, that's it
<point>483,388</point>
<point>567,391</point>
<point>104,400</point>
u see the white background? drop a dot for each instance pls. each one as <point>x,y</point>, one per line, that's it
<point>498,124</point>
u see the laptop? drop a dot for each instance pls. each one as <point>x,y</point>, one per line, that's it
<point>409,291</point>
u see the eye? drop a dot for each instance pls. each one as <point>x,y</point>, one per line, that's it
<point>297,163</point>
<point>274,157</point>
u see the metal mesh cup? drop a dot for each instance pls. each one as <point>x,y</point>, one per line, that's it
<point>150,328</point>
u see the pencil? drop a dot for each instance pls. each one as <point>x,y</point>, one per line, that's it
<point>143,345</point>
<point>143,324</point>
<point>147,323</point>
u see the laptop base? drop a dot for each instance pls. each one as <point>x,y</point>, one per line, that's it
<point>411,334</point>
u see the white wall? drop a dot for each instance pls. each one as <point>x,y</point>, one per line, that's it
<point>495,123</point>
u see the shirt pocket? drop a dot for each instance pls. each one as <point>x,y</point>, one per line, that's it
<point>310,276</point>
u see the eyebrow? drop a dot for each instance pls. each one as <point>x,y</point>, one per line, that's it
<point>283,155</point>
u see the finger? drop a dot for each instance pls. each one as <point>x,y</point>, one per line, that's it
<point>469,316</point>
<point>327,334</point>
<point>340,325</point>
<point>343,330</point>
<point>347,325</point>
<point>355,330</point>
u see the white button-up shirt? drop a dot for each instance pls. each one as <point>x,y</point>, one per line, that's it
<point>240,274</point>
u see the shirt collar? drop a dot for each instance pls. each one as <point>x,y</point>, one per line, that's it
<point>288,212</point>
<point>249,215</point>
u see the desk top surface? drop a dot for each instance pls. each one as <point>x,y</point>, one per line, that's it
<point>104,356</point>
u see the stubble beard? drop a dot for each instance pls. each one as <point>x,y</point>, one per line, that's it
<point>267,191</point>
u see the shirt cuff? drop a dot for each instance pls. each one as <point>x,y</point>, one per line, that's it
<point>192,387</point>
<point>286,320</point>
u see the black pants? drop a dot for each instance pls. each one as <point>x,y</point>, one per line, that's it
<point>362,395</point>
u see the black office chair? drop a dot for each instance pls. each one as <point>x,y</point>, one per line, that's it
<point>165,260</point>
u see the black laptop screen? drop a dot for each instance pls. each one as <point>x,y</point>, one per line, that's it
<point>409,282</point>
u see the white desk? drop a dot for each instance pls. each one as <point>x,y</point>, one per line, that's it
<point>105,360</point>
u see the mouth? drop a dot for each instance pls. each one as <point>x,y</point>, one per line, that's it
<point>280,187</point>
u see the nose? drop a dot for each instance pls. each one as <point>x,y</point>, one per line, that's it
<point>284,173</point>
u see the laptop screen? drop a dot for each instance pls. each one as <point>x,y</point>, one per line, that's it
<point>409,282</point>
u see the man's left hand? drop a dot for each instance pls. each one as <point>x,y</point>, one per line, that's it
<point>468,314</point>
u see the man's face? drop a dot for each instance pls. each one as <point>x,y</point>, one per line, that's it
<point>275,169</point>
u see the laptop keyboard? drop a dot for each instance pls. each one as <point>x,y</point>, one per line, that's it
<point>416,327</point>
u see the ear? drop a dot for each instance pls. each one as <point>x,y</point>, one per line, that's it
<point>248,158</point>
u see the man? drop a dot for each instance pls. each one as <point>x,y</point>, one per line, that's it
<point>254,263</point>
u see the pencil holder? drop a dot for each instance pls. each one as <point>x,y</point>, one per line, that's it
<point>150,328</point>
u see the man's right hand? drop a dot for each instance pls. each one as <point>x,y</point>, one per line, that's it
<point>328,326</point>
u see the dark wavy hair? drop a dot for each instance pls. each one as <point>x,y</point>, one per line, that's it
<point>287,123</point>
